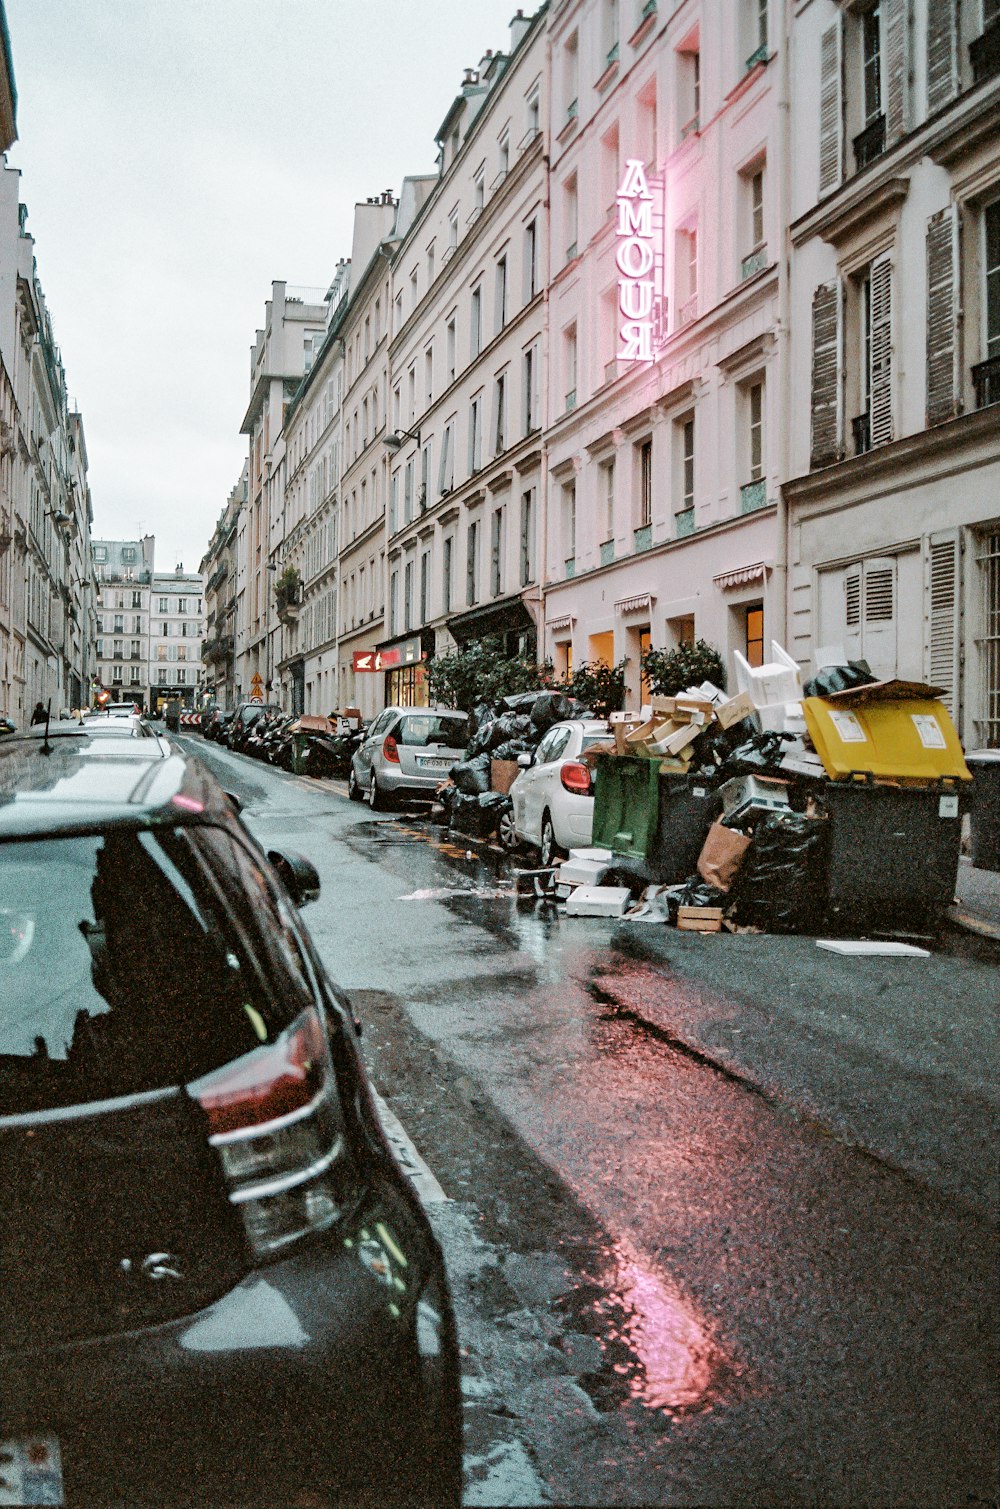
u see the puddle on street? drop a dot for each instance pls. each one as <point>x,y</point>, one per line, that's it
<point>657,1350</point>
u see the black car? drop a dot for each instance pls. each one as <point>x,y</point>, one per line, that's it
<point>243,720</point>
<point>217,1285</point>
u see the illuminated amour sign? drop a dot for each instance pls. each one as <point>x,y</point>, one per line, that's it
<point>635,258</point>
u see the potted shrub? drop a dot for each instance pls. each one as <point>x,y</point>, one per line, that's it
<point>671,671</point>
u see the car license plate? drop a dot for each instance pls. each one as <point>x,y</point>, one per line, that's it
<point>436,764</point>
<point>31,1471</point>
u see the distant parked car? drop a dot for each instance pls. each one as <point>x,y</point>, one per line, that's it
<point>243,719</point>
<point>407,751</point>
<point>553,797</point>
<point>215,722</point>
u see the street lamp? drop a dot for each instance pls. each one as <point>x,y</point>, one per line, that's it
<point>395,440</point>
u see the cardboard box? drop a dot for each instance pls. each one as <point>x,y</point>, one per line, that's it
<point>699,919</point>
<point>583,871</point>
<point>503,774</point>
<point>684,709</point>
<point>589,756</point>
<point>735,710</point>
<point>621,725</point>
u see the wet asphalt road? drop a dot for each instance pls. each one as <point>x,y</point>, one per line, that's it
<point>676,1281</point>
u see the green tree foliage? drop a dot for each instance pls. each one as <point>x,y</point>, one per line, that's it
<point>286,588</point>
<point>481,671</point>
<point>600,686</point>
<point>673,671</point>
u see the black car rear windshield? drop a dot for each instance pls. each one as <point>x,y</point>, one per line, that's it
<point>134,960</point>
<point>417,729</point>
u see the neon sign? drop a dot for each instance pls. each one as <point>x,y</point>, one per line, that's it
<point>635,258</point>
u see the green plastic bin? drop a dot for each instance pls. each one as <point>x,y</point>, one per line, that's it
<point>300,743</point>
<point>626,804</point>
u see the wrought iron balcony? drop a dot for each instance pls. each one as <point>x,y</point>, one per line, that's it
<point>870,143</point>
<point>754,263</point>
<point>986,378</point>
<point>861,430</point>
<point>984,53</point>
<point>753,495</point>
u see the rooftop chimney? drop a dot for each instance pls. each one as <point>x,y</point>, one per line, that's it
<point>518,26</point>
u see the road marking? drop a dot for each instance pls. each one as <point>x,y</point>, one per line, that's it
<point>413,1165</point>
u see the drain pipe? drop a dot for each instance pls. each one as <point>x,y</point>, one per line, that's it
<point>781,551</point>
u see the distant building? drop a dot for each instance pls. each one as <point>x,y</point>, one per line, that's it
<point>176,631</point>
<point>8,93</point>
<point>218,570</point>
<point>124,572</point>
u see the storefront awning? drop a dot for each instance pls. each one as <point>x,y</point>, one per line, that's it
<point>743,577</point>
<point>508,615</point>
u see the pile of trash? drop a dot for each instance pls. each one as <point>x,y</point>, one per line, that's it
<point>475,796</point>
<point>786,808</point>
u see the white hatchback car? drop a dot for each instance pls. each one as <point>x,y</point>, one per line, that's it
<point>553,797</point>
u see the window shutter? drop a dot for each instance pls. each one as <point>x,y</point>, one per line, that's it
<point>879,630</point>
<point>827,333</point>
<point>942,641</point>
<point>881,351</point>
<point>852,612</point>
<point>897,57</point>
<point>942,54</point>
<point>831,110</point>
<point>942,328</point>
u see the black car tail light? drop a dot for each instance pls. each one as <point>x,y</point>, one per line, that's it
<point>274,1119</point>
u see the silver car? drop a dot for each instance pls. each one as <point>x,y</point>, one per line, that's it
<point>406,751</point>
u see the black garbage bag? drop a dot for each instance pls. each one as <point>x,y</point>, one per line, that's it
<point>472,776</point>
<point>839,678</point>
<point>697,892</point>
<point>512,749</point>
<point>446,796</point>
<point>554,707</point>
<point>635,874</point>
<point>481,739</point>
<point>513,725</point>
<point>781,886</point>
<point>520,702</point>
<point>492,806</point>
<point>468,817</point>
<point>758,755</point>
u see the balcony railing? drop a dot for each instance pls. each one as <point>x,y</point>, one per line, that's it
<point>607,552</point>
<point>570,400</point>
<point>649,9</point>
<point>986,379</point>
<point>570,565</point>
<point>572,110</point>
<point>758,56</point>
<point>754,263</point>
<point>984,53</point>
<point>642,538</point>
<point>690,128</point>
<point>612,55</point>
<point>753,495</point>
<point>684,523</point>
<point>870,143</point>
<point>532,134</point>
<point>861,430</point>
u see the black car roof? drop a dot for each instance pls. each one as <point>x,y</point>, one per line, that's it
<point>77,780</point>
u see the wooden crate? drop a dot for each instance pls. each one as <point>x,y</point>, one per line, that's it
<point>699,919</point>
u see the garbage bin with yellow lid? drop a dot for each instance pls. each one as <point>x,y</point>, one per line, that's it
<point>897,737</point>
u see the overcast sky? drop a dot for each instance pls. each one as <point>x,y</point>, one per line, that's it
<point>176,156</point>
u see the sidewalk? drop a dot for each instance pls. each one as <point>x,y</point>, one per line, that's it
<point>977,909</point>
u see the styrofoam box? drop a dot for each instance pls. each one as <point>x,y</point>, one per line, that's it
<point>583,871</point>
<point>598,901</point>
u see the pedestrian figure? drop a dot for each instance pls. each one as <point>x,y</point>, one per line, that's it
<point>39,715</point>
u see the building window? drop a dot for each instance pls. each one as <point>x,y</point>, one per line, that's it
<point>988,642</point>
<point>446,573</point>
<point>570,217</point>
<point>686,274</point>
<point>569,527</point>
<point>128,554</point>
<point>503,155</point>
<point>645,518</point>
<point>607,474</point>
<point>407,596</point>
<point>530,261</point>
<point>164,604</point>
<point>475,435</point>
<point>501,294</point>
<point>425,582</point>
<point>479,189</point>
<point>569,366</point>
<point>476,323</point>
<point>408,492</point>
<point>530,390</point>
<point>161,678</point>
<point>393,602</point>
<point>137,599</point>
<point>500,415</point>
<point>871,64</point>
<point>987,374</point>
<point>449,348</point>
<point>472,563</point>
<point>527,537</point>
<point>496,552</point>
<point>453,228</point>
<point>394,503</point>
<point>446,470</point>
